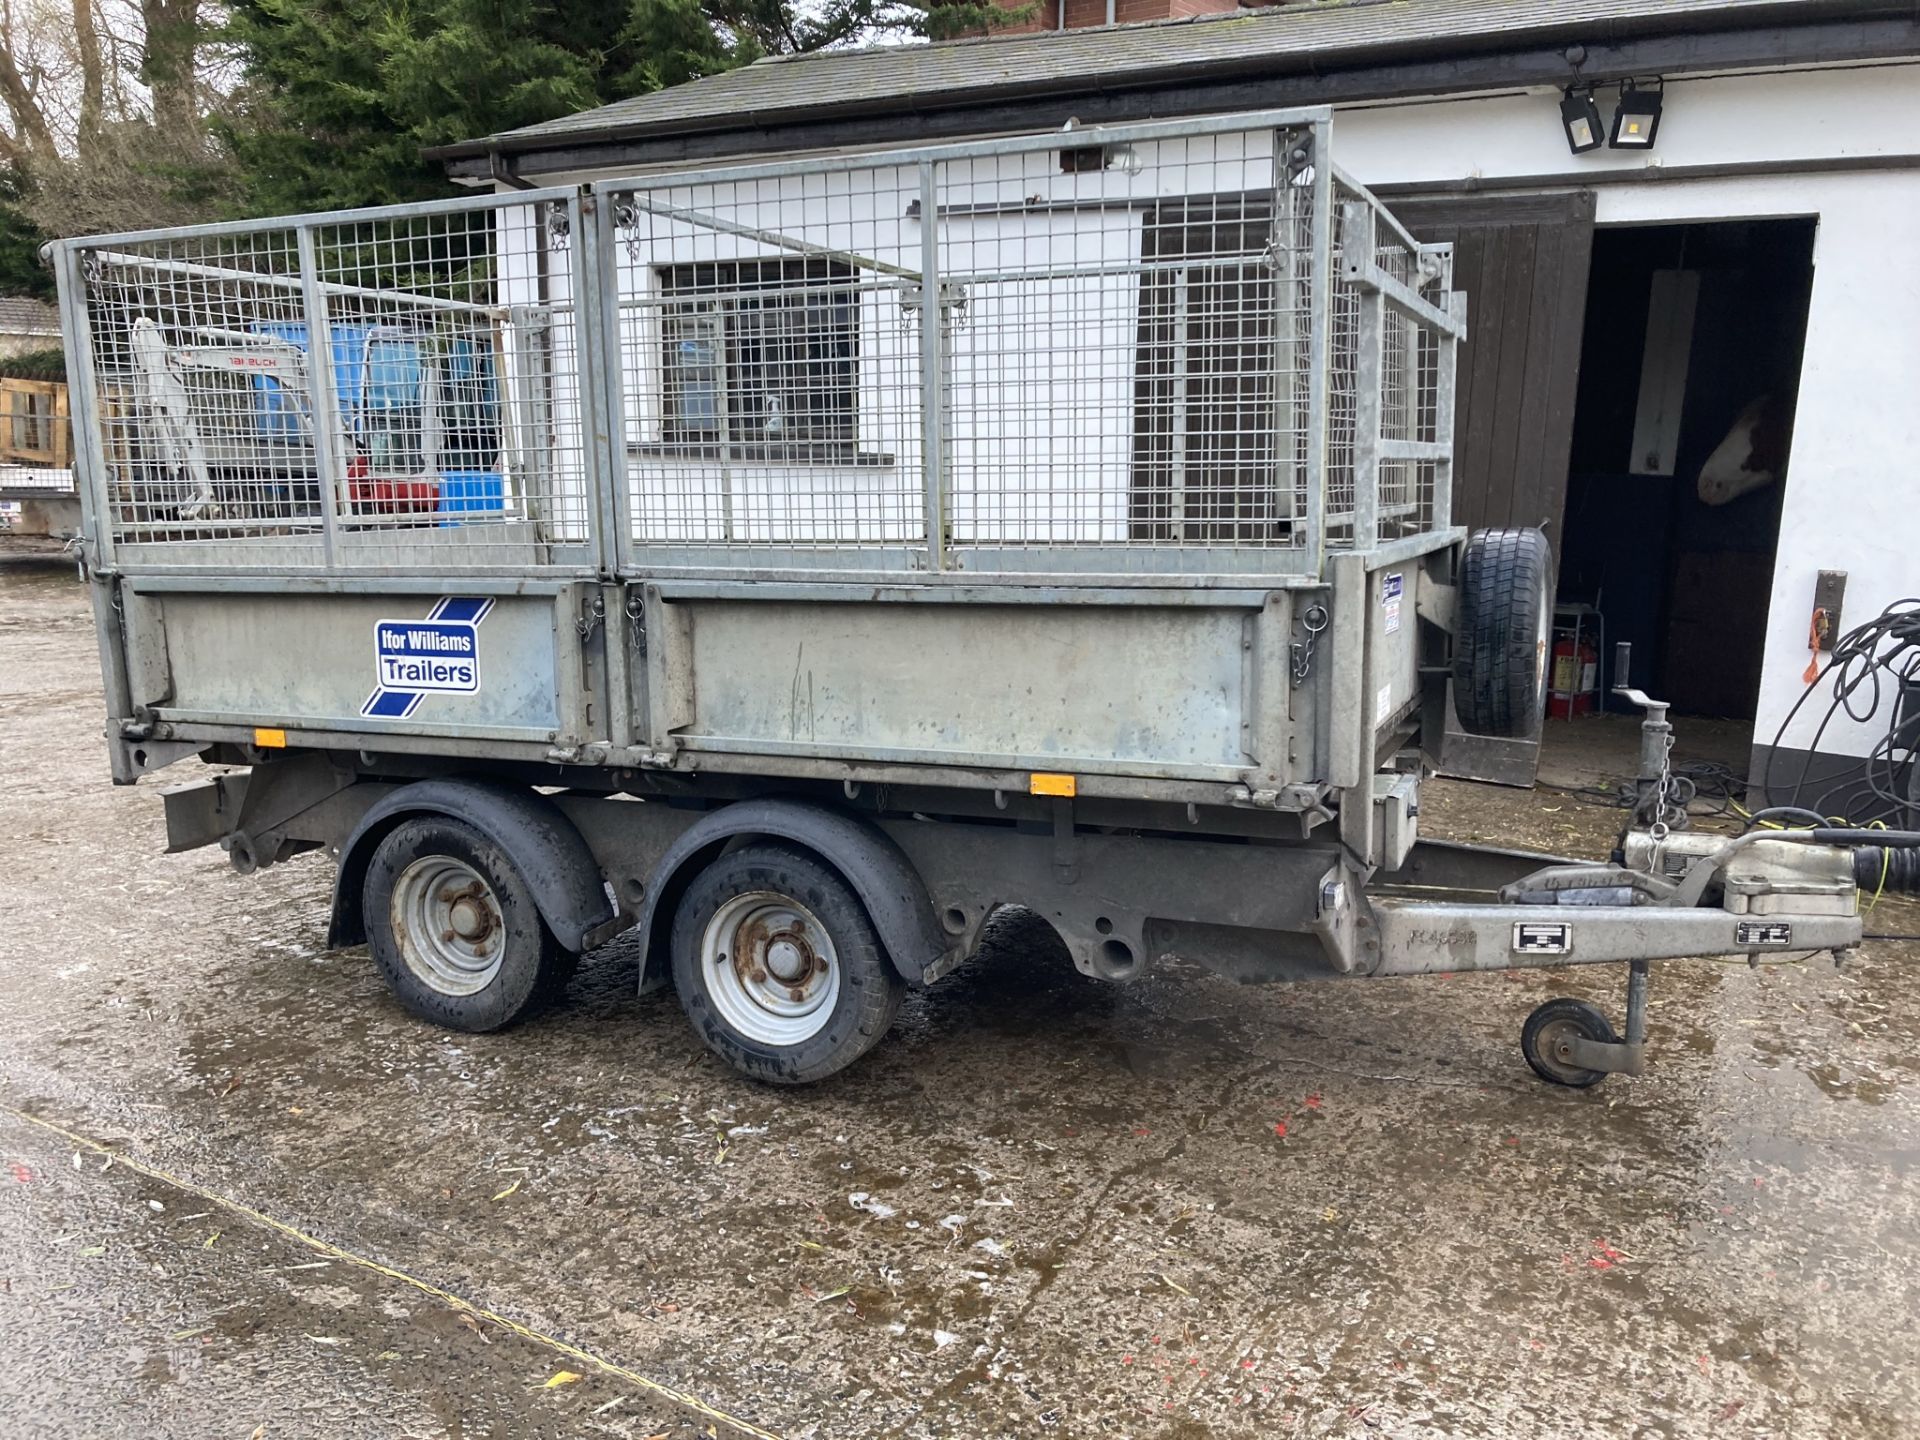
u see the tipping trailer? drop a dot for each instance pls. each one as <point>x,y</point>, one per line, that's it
<point>863,544</point>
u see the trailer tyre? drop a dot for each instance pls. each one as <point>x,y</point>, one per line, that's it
<point>778,966</point>
<point>1500,654</point>
<point>1557,1021</point>
<point>454,928</point>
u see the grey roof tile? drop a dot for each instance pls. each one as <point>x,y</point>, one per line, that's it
<point>20,315</point>
<point>1275,40</point>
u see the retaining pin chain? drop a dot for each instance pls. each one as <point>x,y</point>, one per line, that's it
<point>1313,622</point>
<point>636,609</point>
<point>592,612</point>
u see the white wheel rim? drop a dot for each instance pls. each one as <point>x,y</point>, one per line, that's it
<point>770,968</point>
<point>447,925</point>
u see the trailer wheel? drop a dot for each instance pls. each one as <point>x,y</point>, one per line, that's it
<point>1553,1024</point>
<point>1506,629</point>
<point>778,966</point>
<point>454,927</point>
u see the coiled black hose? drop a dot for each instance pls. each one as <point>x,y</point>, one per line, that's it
<point>1890,869</point>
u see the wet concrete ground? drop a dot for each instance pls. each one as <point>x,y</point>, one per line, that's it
<point>1043,1207</point>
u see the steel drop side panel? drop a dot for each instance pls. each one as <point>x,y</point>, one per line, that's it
<point>306,660</point>
<point>1192,689</point>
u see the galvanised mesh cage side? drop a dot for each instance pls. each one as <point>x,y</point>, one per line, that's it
<point>197,450</point>
<point>1123,362</point>
<point>1410,372</point>
<point>1343,391</point>
<point>378,390</point>
<point>1170,349</point>
<point>767,335</point>
<point>1394,334</point>
<point>1086,351</point>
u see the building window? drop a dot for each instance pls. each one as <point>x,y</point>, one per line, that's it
<point>759,360</point>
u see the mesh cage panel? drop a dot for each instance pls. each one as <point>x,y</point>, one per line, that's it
<point>1078,346</point>
<point>769,379</point>
<point>389,389</point>
<point>1140,349</point>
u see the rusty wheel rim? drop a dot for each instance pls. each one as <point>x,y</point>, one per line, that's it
<point>770,967</point>
<point>447,925</point>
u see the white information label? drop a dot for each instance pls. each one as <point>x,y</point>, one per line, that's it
<point>1542,937</point>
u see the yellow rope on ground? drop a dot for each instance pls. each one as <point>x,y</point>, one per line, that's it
<point>332,1251</point>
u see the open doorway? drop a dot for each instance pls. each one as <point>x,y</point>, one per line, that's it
<point>1690,364</point>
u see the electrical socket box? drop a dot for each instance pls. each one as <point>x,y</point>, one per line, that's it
<point>1906,717</point>
<point>1829,592</point>
<point>1396,805</point>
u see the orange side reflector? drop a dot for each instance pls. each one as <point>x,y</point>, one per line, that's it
<point>1040,783</point>
<point>269,739</point>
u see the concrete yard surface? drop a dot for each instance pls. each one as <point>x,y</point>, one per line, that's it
<point>242,1194</point>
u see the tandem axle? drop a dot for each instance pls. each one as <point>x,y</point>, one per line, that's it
<point>907,878</point>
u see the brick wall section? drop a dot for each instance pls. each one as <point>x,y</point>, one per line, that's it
<point>1084,13</point>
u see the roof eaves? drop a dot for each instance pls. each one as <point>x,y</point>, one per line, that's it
<point>567,133</point>
<point>536,137</point>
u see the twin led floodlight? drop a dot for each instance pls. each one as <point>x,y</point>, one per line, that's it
<point>1582,119</point>
<point>1636,118</point>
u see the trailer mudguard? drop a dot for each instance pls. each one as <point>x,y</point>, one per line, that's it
<point>878,870</point>
<point>545,847</point>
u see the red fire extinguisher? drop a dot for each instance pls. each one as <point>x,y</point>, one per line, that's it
<point>1576,671</point>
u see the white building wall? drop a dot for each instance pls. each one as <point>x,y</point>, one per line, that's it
<point>1041,370</point>
<point>1853,494</point>
<point>1853,488</point>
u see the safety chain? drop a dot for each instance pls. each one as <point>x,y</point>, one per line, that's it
<point>1662,789</point>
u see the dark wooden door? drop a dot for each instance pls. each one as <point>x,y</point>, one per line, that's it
<point>1522,261</point>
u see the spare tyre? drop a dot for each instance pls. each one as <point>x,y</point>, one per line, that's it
<point>1500,650</point>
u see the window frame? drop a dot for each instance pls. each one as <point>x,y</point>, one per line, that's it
<point>822,345</point>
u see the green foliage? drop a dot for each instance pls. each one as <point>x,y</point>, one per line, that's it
<point>951,19</point>
<point>341,96</point>
<point>21,272</point>
<point>50,364</point>
<point>674,41</point>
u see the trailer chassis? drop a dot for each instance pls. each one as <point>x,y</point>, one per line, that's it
<point>1123,883</point>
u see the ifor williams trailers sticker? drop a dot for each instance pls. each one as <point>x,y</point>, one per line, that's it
<point>439,655</point>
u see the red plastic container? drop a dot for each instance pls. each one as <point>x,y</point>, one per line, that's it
<point>387,495</point>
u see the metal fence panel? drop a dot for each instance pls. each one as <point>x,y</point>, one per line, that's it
<point>374,391</point>
<point>1396,327</point>
<point>769,392</point>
